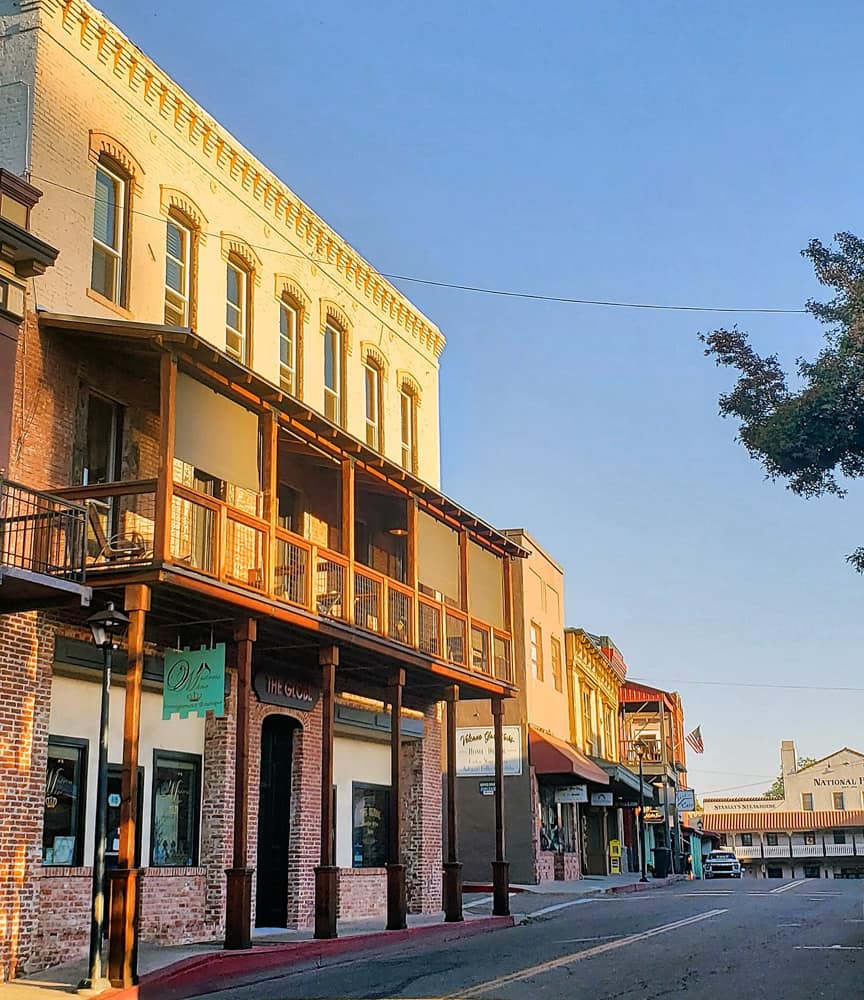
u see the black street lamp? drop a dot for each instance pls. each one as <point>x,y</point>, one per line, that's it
<point>104,625</point>
<point>640,753</point>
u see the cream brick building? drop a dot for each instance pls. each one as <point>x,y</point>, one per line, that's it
<point>108,125</point>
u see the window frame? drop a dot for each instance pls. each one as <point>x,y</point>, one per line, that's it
<point>746,840</point>
<point>372,370</point>
<point>408,447</point>
<point>807,797</point>
<point>387,790</point>
<point>535,645</point>
<point>243,332</point>
<point>291,385</point>
<point>186,295</point>
<point>835,796</point>
<point>83,746</point>
<point>557,664</point>
<point>123,182</point>
<point>334,340</point>
<point>771,840</point>
<point>185,758</point>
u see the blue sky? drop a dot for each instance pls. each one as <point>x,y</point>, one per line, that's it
<point>666,152</point>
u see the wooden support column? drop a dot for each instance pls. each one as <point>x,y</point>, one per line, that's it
<point>413,577</point>
<point>464,574</point>
<point>238,916</point>
<point>270,487</point>
<point>124,880</point>
<point>326,874</point>
<point>452,867</point>
<point>165,487</point>
<point>348,518</point>
<point>500,867</point>
<point>397,903</point>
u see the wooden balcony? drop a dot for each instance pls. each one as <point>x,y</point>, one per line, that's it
<point>215,541</point>
<point>42,559</point>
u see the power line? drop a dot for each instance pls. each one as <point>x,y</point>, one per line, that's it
<point>748,684</point>
<point>477,289</point>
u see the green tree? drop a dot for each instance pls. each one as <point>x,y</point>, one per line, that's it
<point>777,790</point>
<point>814,433</point>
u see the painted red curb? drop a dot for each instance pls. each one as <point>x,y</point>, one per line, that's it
<point>219,965</point>
<point>656,883</point>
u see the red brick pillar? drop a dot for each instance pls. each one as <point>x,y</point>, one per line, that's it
<point>26,655</point>
<point>421,816</point>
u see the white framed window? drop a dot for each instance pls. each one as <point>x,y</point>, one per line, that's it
<point>839,800</point>
<point>372,376</point>
<point>178,243</point>
<point>237,312</point>
<point>109,214</point>
<point>333,340</point>
<point>288,327</point>
<point>408,415</point>
<point>536,652</point>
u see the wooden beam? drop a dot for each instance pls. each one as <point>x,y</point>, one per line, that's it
<point>452,868</point>
<point>326,874</point>
<point>397,908</point>
<point>167,421</point>
<point>500,867</point>
<point>348,498</point>
<point>413,575</point>
<point>270,487</point>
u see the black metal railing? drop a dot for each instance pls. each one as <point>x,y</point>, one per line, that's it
<point>41,533</point>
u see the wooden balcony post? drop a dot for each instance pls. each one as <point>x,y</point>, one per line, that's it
<point>500,867</point>
<point>348,516</point>
<point>238,916</point>
<point>452,868</point>
<point>464,574</point>
<point>413,570</point>
<point>397,905</point>
<point>326,874</point>
<point>124,906</point>
<point>270,486</point>
<point>508,594</point>
<point>164,489</point>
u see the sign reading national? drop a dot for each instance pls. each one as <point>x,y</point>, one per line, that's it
<point>475,751</point>
<point>194,682</point>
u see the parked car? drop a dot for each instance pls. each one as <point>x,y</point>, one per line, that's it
<point>722,863</point>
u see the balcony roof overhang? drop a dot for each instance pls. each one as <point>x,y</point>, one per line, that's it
<point>204,358</point>
<point>24,590</point>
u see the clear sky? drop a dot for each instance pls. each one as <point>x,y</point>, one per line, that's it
<point>668,152</point>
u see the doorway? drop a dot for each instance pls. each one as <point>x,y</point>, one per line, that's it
<point>274,821</point>
<point>596,841</point>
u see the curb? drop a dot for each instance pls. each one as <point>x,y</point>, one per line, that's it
<point>221,965</point>
<point>657,883</point>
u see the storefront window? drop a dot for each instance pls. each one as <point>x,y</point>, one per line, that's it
<point>550,832</point>
<point>65,802</point>
<point>176,809</point>
<point>371,811</point>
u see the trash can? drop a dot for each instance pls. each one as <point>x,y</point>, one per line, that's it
<point>662,861</point>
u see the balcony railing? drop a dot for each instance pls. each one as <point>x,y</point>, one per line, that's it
<point>233,546</point>
<point>41,533</point>
<point>652,752</point>
<point>787,850</point>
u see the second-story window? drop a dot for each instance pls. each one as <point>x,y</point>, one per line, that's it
<point>372,376</point>
<point>178,254</point>
<point>557,673</point>
<point>536,652</point>
<point>107,274</point>
<point>288,333</point>
<point>333,374</point>
<point>807,801</point>
<point>587,722</point>
<point>408,415</point>
<point>237,312</point>
<point>839,801</point>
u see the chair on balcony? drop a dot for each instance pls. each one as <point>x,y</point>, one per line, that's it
<point>130,547</point>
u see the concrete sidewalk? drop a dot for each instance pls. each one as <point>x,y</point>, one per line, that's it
<point>172,971</point>
<point>591,884</point>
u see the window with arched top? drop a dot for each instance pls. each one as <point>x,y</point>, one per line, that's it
<point>408,424</point>
<point>179,288</point>
<point>334,372</point>
<point>373,379</point>
<point>111,214</point>
<point>237,309</point>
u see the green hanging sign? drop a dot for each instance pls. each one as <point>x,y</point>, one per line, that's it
<point>194,682</point>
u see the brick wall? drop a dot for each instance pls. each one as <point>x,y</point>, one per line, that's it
<point>545,865</point>
<point>173,905</point>
<point>362,893</point>
<point>421,816</point>
<point>64,916</point>
<point>25,700</point>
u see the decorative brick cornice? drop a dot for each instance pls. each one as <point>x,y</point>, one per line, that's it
<point>374,353</point>
<point>405,380</point>
<point>594,664</point>
<point>332,312</point>
<point>172,199</point>
<point>103,144</point>
<point>108,51</point>
<point>287,286</point>
<point>236,246</point>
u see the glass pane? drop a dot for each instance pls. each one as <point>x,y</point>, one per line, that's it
<point>175,242</point>
<point>173,275</point>
<point>286,336</point>
<point>175,812</point>
<point>100,448</point>
<point>105,212</point>
<point>235,283</point>
<point>103,274</point>
<point>64,800</point>
<point>331,361</point>
<point>175,310</point>
<point>232,317</point>
<point>406,420</point>
<point>370,825</point>
<point>372,395</point>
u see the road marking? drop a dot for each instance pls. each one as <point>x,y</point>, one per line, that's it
<point>786,888</point>
<point>601,937</point>
<point>790,925</point>
<point>819,895</point>
<point>477,902</point>
<point>829,947</point>
<point>708,893</point>
<point>557,906</point>
<point>578,956</point>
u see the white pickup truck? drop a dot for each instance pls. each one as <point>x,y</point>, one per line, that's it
<point>723,863</point>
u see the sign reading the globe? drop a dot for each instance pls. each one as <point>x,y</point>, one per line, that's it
<point>475,751</point>
<point>194,682</point>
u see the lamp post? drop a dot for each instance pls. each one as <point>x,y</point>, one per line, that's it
<point>640,753</point>
<point>104,625</point>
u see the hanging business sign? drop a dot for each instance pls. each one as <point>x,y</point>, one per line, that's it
<point>475,751</point>
<point>602,798</point>
<point>685,799</point>
<point>194,682</point>
<point>273,689</point>
<point>653,815</point>
<point>572,793</point>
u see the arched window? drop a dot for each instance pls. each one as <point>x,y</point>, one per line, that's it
<point>109,269</point>
<point>372,375</point>
<point>179,291</point>
<point>334,372</point>
<point>408,420</point>
<point>290,352</point>
<point>237,301</point>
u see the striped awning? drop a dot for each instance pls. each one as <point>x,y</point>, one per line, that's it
<point>783,822</point>
<point>644,693</point>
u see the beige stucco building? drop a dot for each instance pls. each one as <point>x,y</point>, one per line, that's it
<point>816,830</point>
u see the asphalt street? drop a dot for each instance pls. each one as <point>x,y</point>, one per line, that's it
<point>738,939</point>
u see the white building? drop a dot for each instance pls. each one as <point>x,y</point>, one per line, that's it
<point>815,831</point>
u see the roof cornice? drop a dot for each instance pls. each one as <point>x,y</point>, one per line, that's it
<point>102,43</point>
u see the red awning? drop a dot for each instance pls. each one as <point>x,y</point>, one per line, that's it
<point>549,755</point>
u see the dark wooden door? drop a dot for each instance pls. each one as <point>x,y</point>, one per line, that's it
<point>596,841</point>
<point>274,821</point>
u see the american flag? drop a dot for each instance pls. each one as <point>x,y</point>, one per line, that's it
<point>694,739</point>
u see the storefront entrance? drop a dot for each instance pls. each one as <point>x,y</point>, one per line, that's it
<point>596,841</point>
<point>274,821</point>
